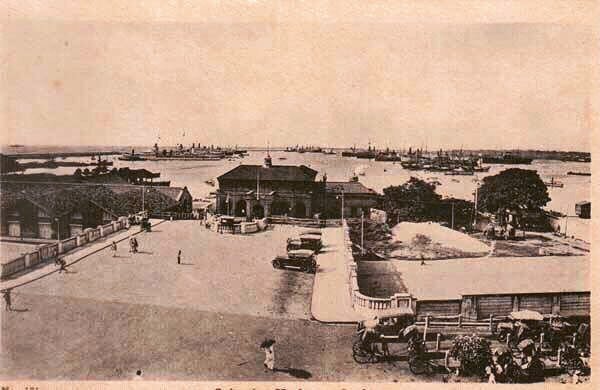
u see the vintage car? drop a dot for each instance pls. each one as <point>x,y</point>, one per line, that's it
<point>309,241</point>
<point>302,259</point>
<point>316,232</point>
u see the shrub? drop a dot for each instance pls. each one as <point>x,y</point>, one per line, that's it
<point>473,352</point>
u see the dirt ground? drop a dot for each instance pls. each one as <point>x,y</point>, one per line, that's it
<point>533,245</point>
<point>201,320</point>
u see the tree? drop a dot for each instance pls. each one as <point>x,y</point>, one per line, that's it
<point>412,200</point>
<point>513,189</point>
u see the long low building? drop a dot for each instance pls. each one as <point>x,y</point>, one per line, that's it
<point>52,210</point>
<point>480,287</point>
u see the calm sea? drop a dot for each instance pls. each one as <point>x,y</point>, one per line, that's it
<point>377,175</point>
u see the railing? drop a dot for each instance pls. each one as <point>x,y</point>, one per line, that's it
<point>13,266</point>
<point>69,243</point>
<point>175,215</point>
<point>107,229</point>
<point>34,258</point>
<point>459,322</point>
<point>51,251</point>
<point>360,301</point>
<point>305,222</point>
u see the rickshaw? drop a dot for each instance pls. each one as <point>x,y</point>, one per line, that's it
<point>525,366</point>
<point>521,325</point>
<point>373,335</point>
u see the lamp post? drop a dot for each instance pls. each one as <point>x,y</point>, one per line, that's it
<point>57,220</point>
<point>342,205</point>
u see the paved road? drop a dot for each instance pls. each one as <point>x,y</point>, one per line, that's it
<point>220,273</point>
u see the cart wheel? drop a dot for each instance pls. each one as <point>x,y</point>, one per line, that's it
<point>417,366</point>
<point>276,264</point>
<point>360,355</point>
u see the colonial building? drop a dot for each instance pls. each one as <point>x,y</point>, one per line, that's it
<point>285,190</point>
<point>259,191</point>
<point>355,197</point>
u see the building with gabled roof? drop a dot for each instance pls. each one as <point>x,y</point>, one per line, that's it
<point>50,210</point>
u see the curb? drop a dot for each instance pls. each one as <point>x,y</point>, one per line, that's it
<point>79,259</point>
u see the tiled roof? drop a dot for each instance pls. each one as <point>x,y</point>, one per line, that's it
<point>349,187</point>
<point>274,173</point>
<point>58,199</point>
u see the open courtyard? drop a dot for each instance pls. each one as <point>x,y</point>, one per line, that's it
<point>200,320</point>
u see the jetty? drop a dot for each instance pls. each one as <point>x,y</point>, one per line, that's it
<point>53,155</point>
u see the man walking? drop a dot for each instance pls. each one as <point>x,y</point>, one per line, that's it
<point>267,346</point>
<point>113,248</point>
<point>62,264</point>
<point>8,304</point>
<point>179,257</point>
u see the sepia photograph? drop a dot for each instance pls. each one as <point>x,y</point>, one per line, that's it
<point>267,192</point>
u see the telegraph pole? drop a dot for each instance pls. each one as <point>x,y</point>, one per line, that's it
<point>362,232</point>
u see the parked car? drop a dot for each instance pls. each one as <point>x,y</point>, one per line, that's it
<point>316,232</point>
<point>308,241</point>
<point>302,259</point>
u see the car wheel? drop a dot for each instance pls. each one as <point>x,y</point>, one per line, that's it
<point>276,264</point>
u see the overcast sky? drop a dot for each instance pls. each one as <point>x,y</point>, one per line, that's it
<point>331,83</point>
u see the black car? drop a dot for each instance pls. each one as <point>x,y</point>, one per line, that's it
<point>310,241</point>
<point>302,259</point>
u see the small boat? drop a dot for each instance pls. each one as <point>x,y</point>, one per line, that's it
<point>579,173</point>
<point>131,157</point>
<point>282,158</point>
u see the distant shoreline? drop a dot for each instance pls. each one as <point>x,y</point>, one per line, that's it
<point>45,151</point>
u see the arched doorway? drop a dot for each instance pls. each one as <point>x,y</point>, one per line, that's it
<point>258,211</point>
<point>299,210</point>
<point>240,208</point>
<point>280,207</point>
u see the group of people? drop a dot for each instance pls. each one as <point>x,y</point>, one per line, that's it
<point>504,369</point>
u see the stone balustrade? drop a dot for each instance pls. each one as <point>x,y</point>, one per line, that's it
<point>363,303</point>
<point>51,251</point>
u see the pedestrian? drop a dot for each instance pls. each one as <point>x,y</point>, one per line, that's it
<point>131,245</point>
<point>179,257</point>
<point>6,295</point>
<point>422,260</point>
<point>113,248</point>
<point>135,245</point>
<point>62,264</point>
<point>267,346</point>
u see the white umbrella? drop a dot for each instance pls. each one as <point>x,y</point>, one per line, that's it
<point>527,315</point>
